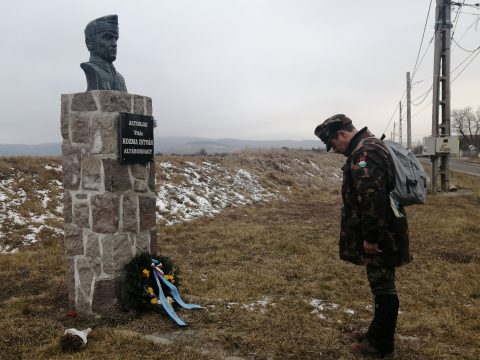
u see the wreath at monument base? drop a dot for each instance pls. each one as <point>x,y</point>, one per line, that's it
<point>150,284</point>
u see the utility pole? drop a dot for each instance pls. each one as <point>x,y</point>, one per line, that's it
<point>393,133</point>
<point>441,88</point>
<point>400,122</point>
<point>409,113</point>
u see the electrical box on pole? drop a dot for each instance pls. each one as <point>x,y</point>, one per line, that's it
<point>445,145</point>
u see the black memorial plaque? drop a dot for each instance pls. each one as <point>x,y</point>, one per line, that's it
<point>135,138</point>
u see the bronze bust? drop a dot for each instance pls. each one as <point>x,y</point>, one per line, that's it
<point>101,37</point>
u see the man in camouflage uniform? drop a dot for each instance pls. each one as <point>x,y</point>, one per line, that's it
<point>371,234</point>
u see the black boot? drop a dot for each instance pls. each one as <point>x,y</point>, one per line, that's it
<point>382,329</point>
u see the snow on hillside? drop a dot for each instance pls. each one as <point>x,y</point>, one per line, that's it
<point>205,189</point>
<point>187,188</point>
<point>30,206</point>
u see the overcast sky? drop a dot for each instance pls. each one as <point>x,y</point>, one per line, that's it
<point>247,69</point>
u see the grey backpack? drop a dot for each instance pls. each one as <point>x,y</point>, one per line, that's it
<point>410,179</point>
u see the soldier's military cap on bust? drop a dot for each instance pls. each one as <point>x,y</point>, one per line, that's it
<point>326,130</point>
<point>105,23</point>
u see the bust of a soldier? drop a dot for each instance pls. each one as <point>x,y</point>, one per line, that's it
<point>101,37</point>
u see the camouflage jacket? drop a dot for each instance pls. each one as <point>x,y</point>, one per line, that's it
<point>368,178</point>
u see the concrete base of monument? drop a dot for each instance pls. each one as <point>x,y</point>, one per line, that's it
<point>109,207</point>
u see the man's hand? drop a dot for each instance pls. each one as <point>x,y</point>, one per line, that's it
<point>371,249</point>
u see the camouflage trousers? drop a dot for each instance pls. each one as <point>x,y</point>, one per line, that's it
<point>381,280</point>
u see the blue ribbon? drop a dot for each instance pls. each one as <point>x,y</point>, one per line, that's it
<point>165,304</point>
<point>177,297</point>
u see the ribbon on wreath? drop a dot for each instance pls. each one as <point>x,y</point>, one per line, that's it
<point>158,274</point>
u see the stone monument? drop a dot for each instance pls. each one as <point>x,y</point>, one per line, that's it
<point>109,187</point>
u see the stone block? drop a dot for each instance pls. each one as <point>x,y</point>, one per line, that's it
<point>153,242</point>
<point>81,196</point>
<point>73,240</point>
<point>83,102</point>
<point>140,186</point>
<point>81,215</point>
<point>139,171</point>
<point>130,212</point>
<point>103,296</point>
<point>105,213</point>
<point>104,134</point>
<point>82,303</point>
<point>151,176</point>
<point>80,127</point>
<point>142,243</point>
<point>147,212</point>
<point>107,254</point>
<point>122,252</point>
<point>64,116</point>
<point>71,166</point>
<point>93,246</point>
<point>139,105</point>
<point>116,176</point>
<point>92,252</point>
<point>67,207</point>
<point>149,106</point>
<point>91,173</point>
<point>85,276</point>
<point>70,281</point>
<point>114,101</point>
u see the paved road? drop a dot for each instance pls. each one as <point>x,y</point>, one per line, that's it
<point>460,166</point>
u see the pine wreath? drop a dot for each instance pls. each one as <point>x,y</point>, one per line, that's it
<point>139,285</point>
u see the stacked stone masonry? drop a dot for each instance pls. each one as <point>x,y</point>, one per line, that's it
<point>109,208</point>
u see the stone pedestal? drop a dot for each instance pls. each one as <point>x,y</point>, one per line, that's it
<point>109,208</point>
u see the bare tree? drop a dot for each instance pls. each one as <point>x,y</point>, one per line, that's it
<point>467,124</point>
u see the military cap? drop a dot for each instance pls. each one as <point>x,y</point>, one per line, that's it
<point>327,130</point>
<point>105,23</point>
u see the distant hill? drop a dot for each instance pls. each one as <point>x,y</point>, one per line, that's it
<point>190,145</point>
<point>173,145</point>
<point>49,149</point>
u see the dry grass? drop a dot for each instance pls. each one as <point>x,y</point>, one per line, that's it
<point>285,252</point>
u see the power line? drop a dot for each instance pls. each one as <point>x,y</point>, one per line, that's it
<point>421,42</point>
<point>475,6</point>
<point>396,109</point>
<point>473,58</point>
<point>468,13</point>
<point>417,63</point>
<point>456,18</point>
<point>423,108</point>
<point>466,58</point>
<point>424,95</point>
<point>471,51</point>
<point>425,53</point>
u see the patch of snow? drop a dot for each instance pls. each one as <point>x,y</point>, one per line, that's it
<point>259,304</point>
<point>44,197</point>
<point>57,168</point>
<point>321,305</point>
